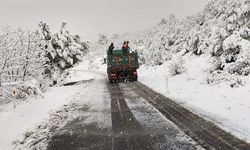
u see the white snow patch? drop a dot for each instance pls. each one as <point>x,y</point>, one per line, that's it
<point>227,107</point>
<point>79,75</point>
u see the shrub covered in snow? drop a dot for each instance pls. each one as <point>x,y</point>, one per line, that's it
<point>224,77</point>
<point>67,49</point>
<point>176,66</point>
<point>63,50</point>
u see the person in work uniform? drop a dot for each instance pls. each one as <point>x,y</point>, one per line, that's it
<point>125,47</point>
<point>111,48</point>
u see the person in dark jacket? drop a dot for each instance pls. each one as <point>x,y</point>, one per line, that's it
<point>127,47</point>
<point>111,48</point>
<point>124,47</point>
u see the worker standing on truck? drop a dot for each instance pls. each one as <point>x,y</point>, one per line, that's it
<point>111,48</point>
<point>125,48</point>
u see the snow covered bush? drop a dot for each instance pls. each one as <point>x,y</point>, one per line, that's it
<point>236,54</point>
<point>63,50</point>
<point>218,77</point>
<point>67,49</point>
<point>176,66</point>
<point>240,68</point>
<point>24,91</point>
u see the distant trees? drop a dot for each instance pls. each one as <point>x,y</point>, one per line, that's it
<point>103,39</point>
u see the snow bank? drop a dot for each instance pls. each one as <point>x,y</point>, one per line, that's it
<point>78,76</point>
<point>227,107</point>
<point>28,115</point>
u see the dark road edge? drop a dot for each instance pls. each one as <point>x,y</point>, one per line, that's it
<point>77,82</point>
<point>204,132</point>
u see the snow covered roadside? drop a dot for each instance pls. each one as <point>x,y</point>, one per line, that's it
<point>225,106</point>
<point>29,114</point>
<point>85,71</point>
<point>89,106</point>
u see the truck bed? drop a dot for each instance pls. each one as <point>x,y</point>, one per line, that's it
<point>122,65</point>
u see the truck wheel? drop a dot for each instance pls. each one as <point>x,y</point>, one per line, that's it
<point>131,79</point>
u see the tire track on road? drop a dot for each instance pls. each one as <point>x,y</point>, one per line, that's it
<point>126,131</point>
<point>164,134</point>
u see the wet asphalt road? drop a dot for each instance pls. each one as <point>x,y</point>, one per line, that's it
<point>141,120</point>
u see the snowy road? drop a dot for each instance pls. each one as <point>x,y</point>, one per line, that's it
<point>131,116</point>
<point>117,118</point>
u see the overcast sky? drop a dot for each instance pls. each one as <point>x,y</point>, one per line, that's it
<point>88,18</point>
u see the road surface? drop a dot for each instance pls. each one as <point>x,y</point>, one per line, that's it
<point>130,116</point>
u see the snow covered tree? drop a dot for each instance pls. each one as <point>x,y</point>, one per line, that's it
<point>63,50</point>
<point>176,66</point>
<point>29,60</point>
<point>67,49</point>
<point>23,61</point>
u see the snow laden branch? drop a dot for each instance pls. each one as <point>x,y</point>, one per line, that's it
<point>22,60</point>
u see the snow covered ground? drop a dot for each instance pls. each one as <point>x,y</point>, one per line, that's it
<point>29,114</point>
<point>227,107</point>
